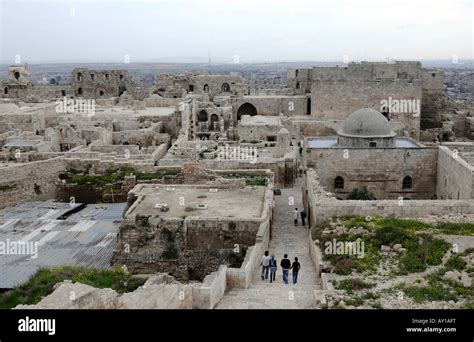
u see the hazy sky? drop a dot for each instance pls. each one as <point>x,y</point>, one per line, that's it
<point>254,30</point>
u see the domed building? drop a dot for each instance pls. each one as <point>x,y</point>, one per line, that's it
<point>367,153</point>
<point>366,128</point>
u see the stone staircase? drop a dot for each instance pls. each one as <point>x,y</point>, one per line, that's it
<point>286,238</point>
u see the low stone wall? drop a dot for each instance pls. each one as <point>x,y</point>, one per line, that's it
<point>159,292</point>
<point>207,295</point>
<point>315,255</point>
<point>418,208</point>
<point>322,205</point>
<point>241,277</point>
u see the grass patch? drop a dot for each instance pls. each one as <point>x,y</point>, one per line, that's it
<point>456,263</point>
<point>41,284</point>
<point>455,228</point>
<point>432,292</point>
<point>257,181</point>
<point>353,284</point>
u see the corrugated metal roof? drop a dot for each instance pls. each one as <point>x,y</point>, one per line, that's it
<point>85,238</point>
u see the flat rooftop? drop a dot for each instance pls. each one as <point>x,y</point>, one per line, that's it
<point>63,237</point>
<point>22,143</point>
<point>260,120</point>
<point>182,200</point>
<point>150,111</point>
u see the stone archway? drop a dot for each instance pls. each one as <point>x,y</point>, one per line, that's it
<point>246,109</point>
<point>202,116</point>
<point>214,118</point>
<point>225,87</point>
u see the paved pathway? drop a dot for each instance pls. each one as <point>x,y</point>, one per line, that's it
<point>286,238</point>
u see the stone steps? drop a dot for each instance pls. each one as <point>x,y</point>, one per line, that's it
<point>286,238</point>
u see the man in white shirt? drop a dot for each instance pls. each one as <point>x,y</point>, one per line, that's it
<point>295,216</point>
<point>265,265</point>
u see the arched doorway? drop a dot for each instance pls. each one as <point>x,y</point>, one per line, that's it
<point>5,91</point>
<point>246,109</point>
<point>225,87</point>
<point>79,91</point>
<point>214,118</point>
<point>202,116</point>
<point>122,90</point>
<point>206,88</point>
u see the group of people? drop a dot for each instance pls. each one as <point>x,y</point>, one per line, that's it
<point>302,213</point>
<point>269,265</point>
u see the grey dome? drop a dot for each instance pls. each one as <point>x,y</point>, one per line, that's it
<point>366,123</point>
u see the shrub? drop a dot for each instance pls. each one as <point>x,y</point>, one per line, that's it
<point>434,292</point>
<point>171,252</point>
<point>353,284</point>
<point>142,220</point>
<point>168,235</point>
<point>361,194</point>
<point>344,266</point>
<point>391,236</point>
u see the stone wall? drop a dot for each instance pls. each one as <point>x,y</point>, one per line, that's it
<point>322,205</point>
<point>273,105</point>
<point>32,181</point>
<point>455,176</point>
<point>210,292</point>
<point>380,170</point>
<point>160,291</point>
<point>336,100</point>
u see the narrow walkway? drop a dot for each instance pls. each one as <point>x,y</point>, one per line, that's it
<point>286,238</point>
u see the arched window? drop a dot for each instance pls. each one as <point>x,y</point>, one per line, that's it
<point>206,88</point>
<point>225,87</point>
<point>296,73</point>
<point>407,183</point>
<point>298,85</point>
<point>202,116</point>
<point>101,93</point>
<point>339,183</point>
<point>16,74</point>
<point>79,91</point>
<point>5,90</point>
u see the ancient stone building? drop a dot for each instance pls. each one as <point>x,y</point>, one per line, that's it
<point>102,83</point>
<point>172,85</point>
<point>367,153</point>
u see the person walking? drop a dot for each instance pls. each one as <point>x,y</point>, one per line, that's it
<point>303,216</point>
<point>273,268</point>
<point>285,267</point>
<point>296,268</point>
<point>265,265</point>
<point>295,216</point>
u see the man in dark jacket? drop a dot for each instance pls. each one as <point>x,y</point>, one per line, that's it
<point>285,267</point>
<point>296,268</point>
<point>303,216</point>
